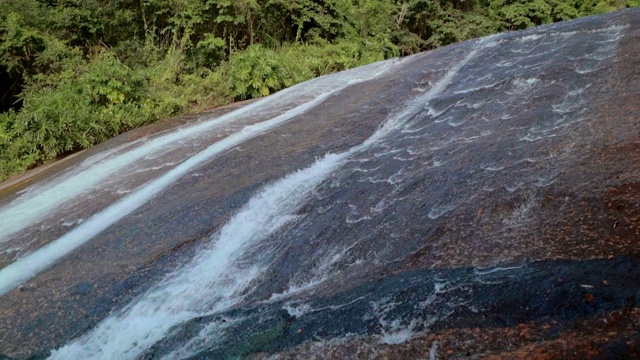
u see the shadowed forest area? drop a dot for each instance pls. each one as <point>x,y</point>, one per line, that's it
<point>74,73</point>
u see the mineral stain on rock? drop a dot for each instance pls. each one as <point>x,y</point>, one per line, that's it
<point>477,201</point>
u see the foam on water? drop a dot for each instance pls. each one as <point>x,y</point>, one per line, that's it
<point>521,85</point>
<point>297,289</point>
<point>440,210</point>
<point>318,275</point>
<point>395,328</point>
<point>296,309</point>
<point>395,333</point>
<point>214,330</point>
<point>494,270</point>
<point>211,281</point>
<point>532,37</point>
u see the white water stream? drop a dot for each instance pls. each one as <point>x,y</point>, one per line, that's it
<point>212,282</point>
<point>31,264</point>
<point>39,201</point>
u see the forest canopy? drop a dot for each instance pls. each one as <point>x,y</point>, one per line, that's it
<point>74,73</point>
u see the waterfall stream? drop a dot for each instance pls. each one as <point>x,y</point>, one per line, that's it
<point>212,282</point>
<point>29,265</point>
<point>384,202</point>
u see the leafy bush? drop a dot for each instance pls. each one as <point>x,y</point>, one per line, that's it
<point>208,53</point>
<point>256,72</point>
<point>71,110</point>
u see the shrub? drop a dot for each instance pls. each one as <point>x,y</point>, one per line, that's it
<point>256,72</point>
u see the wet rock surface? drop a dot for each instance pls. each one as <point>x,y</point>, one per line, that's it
<point>480,200</point>
<point>397,306</point>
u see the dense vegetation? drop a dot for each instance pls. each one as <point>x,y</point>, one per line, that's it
<point>76,72</point>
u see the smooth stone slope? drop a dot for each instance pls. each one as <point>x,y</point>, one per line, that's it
<point>481,200</point>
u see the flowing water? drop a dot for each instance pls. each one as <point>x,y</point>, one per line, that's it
<point>384,201</point>
<point>25,212</point>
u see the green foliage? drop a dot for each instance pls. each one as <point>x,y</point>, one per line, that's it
<point>208,53</point>
<point>110,81</point>
<point>20,45</point>
<point>6,122</point>
<point>604,6</point>
<point>255,72</point>
<point>87,70</point>
<point>522,14</point>
<point>74,109</point>
<point>311,19</point>
<point>164,91</point>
